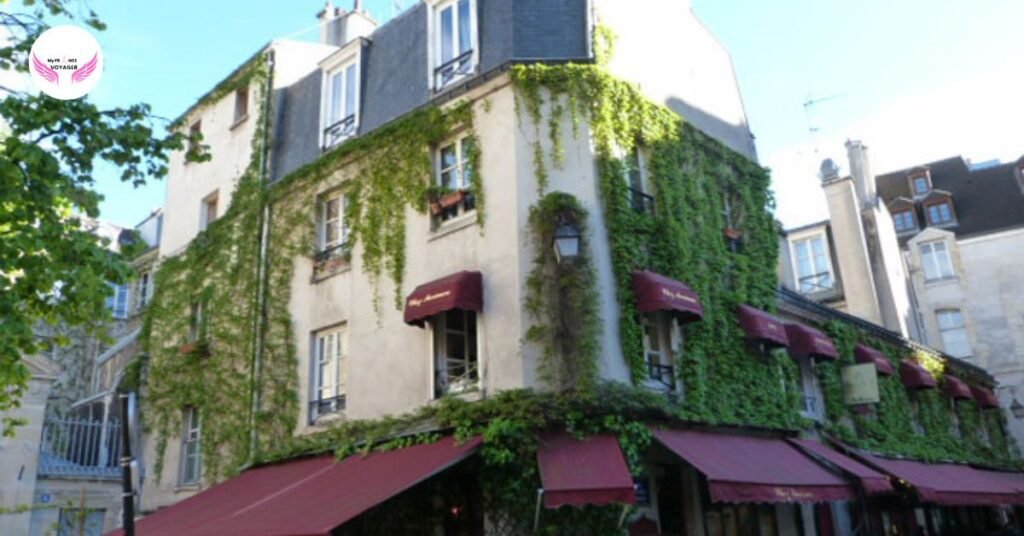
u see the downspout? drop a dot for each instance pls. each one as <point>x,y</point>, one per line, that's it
<point>260,318</point>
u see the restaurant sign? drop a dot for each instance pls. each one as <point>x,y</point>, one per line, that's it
<point>860,384</point>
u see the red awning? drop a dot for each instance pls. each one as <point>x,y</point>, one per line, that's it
<point>805,340</point>
<point>957,389</point>
<point>867,354</point>
<point>463,290</point>
<point>304,498</point>
<point>986,399</point>
<point>762,326</point>
<point>577,473</point>
<point>915,377</point>
<point>872,481</point>
<point>1014,480</point>
<point>753,469</point>
<point>949,484</point>
<point>655,292</point>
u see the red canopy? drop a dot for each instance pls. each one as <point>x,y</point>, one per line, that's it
<point>754,469</point>
<point>957,389</point>
<point>305,498</point>
<point>915,377</point>
<point>463,290</point>
<point>655,292</point>
<point>579,472</point>
<point>762,326</point>
<point>949,484</point>
<point>805,340</point>
<point>872,481</point>
<point>985,398</point>
<point>867,354</point>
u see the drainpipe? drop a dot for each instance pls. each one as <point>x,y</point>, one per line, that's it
<point>260,300</point>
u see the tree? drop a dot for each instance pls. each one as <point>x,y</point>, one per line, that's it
<point>52,269</point>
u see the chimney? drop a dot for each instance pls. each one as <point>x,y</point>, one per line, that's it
<point>338,27</point>
<point>328,23</point>
<point>860,170</point>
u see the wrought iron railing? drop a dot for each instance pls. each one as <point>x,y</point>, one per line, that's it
<point>663,374</point>
<point>453,68</point>
<point>641,202</point>
<point>812,406</point>
<point>818,282</point>
<point>80,447</point>
<point>339,131</point>
<point>460,376</point>
<point>324,406</point>
<point>339,250</point>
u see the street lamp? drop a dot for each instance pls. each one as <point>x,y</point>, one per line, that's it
<point>567,242</point>
<point>1017,409</point>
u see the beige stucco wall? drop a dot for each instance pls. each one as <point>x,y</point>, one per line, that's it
<point>76,493</point>
<point>19,457</point>
<point>934,295</point>
<point>851,250</point>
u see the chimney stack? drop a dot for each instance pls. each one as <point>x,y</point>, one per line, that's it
<point>860,170</point>
<point>338,27</point>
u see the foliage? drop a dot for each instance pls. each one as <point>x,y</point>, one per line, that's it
<point>561,298</point>
<point>53,269</point>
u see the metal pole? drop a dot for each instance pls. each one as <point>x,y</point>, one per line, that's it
<point>127,495</point>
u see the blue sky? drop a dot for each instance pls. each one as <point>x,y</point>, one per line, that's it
<point>917,80</point>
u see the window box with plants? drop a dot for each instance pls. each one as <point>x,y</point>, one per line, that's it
<point>443,199</point>
<point>332,260</point>
<point>196,348</point>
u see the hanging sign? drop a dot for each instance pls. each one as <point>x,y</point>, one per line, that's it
<point>860,384</point>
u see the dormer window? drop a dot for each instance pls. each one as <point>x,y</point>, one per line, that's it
<point>920,184</point>
<point>340,99</point>
<point>940,213</point>
<point>454,33</point>
<point>904,221</point>
<point>812,265</point>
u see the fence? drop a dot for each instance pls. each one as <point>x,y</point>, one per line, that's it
<point>80,447</point>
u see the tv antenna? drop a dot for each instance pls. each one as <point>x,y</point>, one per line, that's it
<point>809,105</point>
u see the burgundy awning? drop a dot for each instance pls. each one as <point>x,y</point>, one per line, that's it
<point>463,290</point>
<point>986,399</point>
<point>871,481</point>
<point>762,326</point>
<point>867,354</point>
<point>957,389</point>
<point>754,469</point>
<point>655,292</point>
<point>948,484</point>
<point>805,340</point>
<point>579,472</point>
<point>304,498</point>
<point>915,377</point>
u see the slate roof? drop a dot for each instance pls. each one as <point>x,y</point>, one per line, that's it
<point>985,200</point>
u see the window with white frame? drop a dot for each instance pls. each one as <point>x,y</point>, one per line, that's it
<point>117,302</point>
<point>659,349</point>
<point>940,213</point>
<point>811,264</point>
<point>145,288</point>
<point>241,104</point>
<point>330,362</point>
<point>636,179</point>
<point>191,449</point>
<point>935,261</point>
<point>456,367</point>
<point>454,180</point>
<point>812,405</point>
<point>196,322</point>
<point>904,221</point>
<point>953,332</point>
<point>207,211</point>
<point>454,27</point>
<point>341,103</point>
<point>332,232</point>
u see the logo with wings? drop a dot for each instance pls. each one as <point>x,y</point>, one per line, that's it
<point>66,62</point>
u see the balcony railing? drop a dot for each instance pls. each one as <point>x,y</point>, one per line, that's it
<point>812,407</point>
<point>460,377</point>
<point>325,406</point>
<point>76,447</point>
<point>339,131</point>
<point>664,375</point>
<point>641,202</point>
<point>340,250</point>
<point>820,282</point>
<point>448,71</point>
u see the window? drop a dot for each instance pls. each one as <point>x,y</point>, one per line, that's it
<point>195,136</point>
<point>940,213</point>
<point>455,352</point>
<point>954,334</point>
<point>812,266</point>
<point>658,350</point>
<point>117,302</point>
<point>812,407</point>
<point>330,359</point>
<point>636,178</point>
<point>341,104</point>
<point>208,211</point>
<point>935,261</point>
<point>332,232</point>
<point>454,180</point>
<point>191,452</point>
<point>920,184</point>
<point>904,221</point>
<point>145,289</point>
<point>455,34</point>
<point>80,522</point>
<point>241,104</point>
<point>196,322</point>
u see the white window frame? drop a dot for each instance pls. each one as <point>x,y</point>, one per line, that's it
<point>434,49</point>
<point>668,338</point>
<point>933,254</point>
<point>191,446</point>
<point>118,302</point>
<point>241,112</point>
<point>439,337</point>
<point>204,210</point>
<point>810,390</point>
<point>950,331</point>
<point>329,372</point>
<point>323,223</point>
<point>462,164</point>
<point>808,237</point>
<point>195,321</point>
<point>339,63</point>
